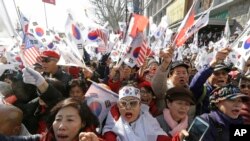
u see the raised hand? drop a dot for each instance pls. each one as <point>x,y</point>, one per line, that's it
<point>220,56</point>
<point>167,57</point>
<point>30,76</point>
<point>88,136</point>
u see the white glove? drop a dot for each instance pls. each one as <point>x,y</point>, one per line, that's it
<point>31,76</point>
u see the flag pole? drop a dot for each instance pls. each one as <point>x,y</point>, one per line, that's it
<point>45,14</point>
<point>9,25</point>
<point>17,11</point>
<point>19,17</point>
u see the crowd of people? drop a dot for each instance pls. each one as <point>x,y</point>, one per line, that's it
<point>157,101</point>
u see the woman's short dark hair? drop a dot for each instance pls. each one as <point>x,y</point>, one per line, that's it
<point>87,117</point>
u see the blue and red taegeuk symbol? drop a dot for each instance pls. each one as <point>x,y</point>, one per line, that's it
<point>136,52</point>
<point>92,35</point>
<point>96,107</point>
<point>39,31</point>
<point>247,43</point>
<point>75,31</point>
<point>50,45</point>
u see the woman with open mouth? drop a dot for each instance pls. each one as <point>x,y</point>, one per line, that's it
<point>226,103</point>
<point>130,120</point>
<point>68,119</point>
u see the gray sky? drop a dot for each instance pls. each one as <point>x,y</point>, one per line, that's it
<point>56,14</point>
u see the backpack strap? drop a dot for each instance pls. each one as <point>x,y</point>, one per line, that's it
<point>204,92</point>
<point>219,128</point>
<point>199,102</point>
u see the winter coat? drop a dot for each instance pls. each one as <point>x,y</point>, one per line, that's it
<point>197,86</point>
<point>219,124</point>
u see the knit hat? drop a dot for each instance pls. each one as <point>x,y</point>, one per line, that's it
<point>226,92</point>
<point>180,93</point>
<point>50,53</point>
<point>129,91</point>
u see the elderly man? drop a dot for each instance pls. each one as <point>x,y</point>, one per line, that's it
<point>51,69</point>
<point>11,121</point>
<point>208,78</point>
<point>176,74</point>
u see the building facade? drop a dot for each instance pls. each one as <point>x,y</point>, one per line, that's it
<point>238,11</point>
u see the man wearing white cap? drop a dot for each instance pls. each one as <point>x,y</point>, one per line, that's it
<point>129,120</point>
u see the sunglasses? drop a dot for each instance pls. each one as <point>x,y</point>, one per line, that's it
<point>243,86</point>
<point>47,59</point>
<point>131,103</point>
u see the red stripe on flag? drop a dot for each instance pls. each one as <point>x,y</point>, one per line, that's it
<point>31,55</point>
<point>102,36</point>
<point>50,1</point>
<point>144,52</point>
<point>102,49</point>
<point>188,21</point>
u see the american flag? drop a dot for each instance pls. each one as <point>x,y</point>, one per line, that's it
<point>145,51</point>
<point>24,22</point>
<point>104,36</point>
<point>31,54</point>
<point>102,48</point>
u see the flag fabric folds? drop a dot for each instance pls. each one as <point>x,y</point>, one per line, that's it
<point>24,22</point>
<point>102,35</point>
<point>138,24</point>
<point>50,1</point>
<point>72,31</point>
<point>185,25</point>
<point>242,44</point>
<point>189,26</point>
<point>100,100</point>
<point>145,51</point>
<point>42,34</point>
<point>30,53</point>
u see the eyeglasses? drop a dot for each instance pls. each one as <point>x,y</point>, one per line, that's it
<point>243,86</point>
<point>131,103</point>
<point>47,59</point>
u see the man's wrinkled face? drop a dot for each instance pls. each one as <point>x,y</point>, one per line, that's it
<point>218,78</point>
<point>129,108</point>
<point>180,76</point>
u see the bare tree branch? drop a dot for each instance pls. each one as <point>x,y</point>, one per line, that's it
<point>112,11</point>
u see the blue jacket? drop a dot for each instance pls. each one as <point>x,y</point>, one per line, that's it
<point>218,121</point>
<point>197,85</point>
